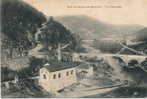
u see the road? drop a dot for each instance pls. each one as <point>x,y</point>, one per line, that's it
<point>82,92</point>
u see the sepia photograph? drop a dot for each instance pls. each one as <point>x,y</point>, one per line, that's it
<point>73,48</point>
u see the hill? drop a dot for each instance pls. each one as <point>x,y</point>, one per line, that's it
<point>90,28</point>
<point>19,24</point>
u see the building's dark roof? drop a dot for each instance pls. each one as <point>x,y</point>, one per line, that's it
<point>57,66</point>
<point>83,66</point>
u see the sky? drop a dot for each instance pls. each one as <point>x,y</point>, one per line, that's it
<point>110,11</point>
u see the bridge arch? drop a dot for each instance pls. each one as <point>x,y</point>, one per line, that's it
<point>120,60</point>
<point>128,58</point>
<point>133,62</point>
<point>144,64</point>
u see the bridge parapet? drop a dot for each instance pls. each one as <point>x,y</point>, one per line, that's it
<point>128,58</point>
<point>125,58</point>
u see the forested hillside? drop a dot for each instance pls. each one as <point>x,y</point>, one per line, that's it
<point>19,24</point>
<point>90,28</point>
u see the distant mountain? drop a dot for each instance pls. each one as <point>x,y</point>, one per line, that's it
<point>89,28</point>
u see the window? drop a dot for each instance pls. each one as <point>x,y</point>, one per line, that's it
<point>67,73</point>
<point>54,76</point>
<point>44,76</point>
<point>71,71</point>
<point>59,75</point>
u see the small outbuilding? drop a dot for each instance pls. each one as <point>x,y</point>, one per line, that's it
<point>55,76</point>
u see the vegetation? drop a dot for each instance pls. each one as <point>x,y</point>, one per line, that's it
<point>58,37</point>
<point>142,35</point>
<point>20,22</point>
<point>107,46</point>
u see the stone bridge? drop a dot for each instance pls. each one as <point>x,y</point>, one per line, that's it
<point>124,58</point>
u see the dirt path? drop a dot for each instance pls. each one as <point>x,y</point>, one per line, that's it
<point>82,92</point>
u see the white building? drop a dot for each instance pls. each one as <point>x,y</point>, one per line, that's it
<point>58,75</point>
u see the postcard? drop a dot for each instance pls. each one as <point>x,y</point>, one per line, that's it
<point>74,49</point>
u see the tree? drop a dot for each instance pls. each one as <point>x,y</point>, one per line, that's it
<point>57,36</point>
<point>76,43</point>
<point>19,24</point>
